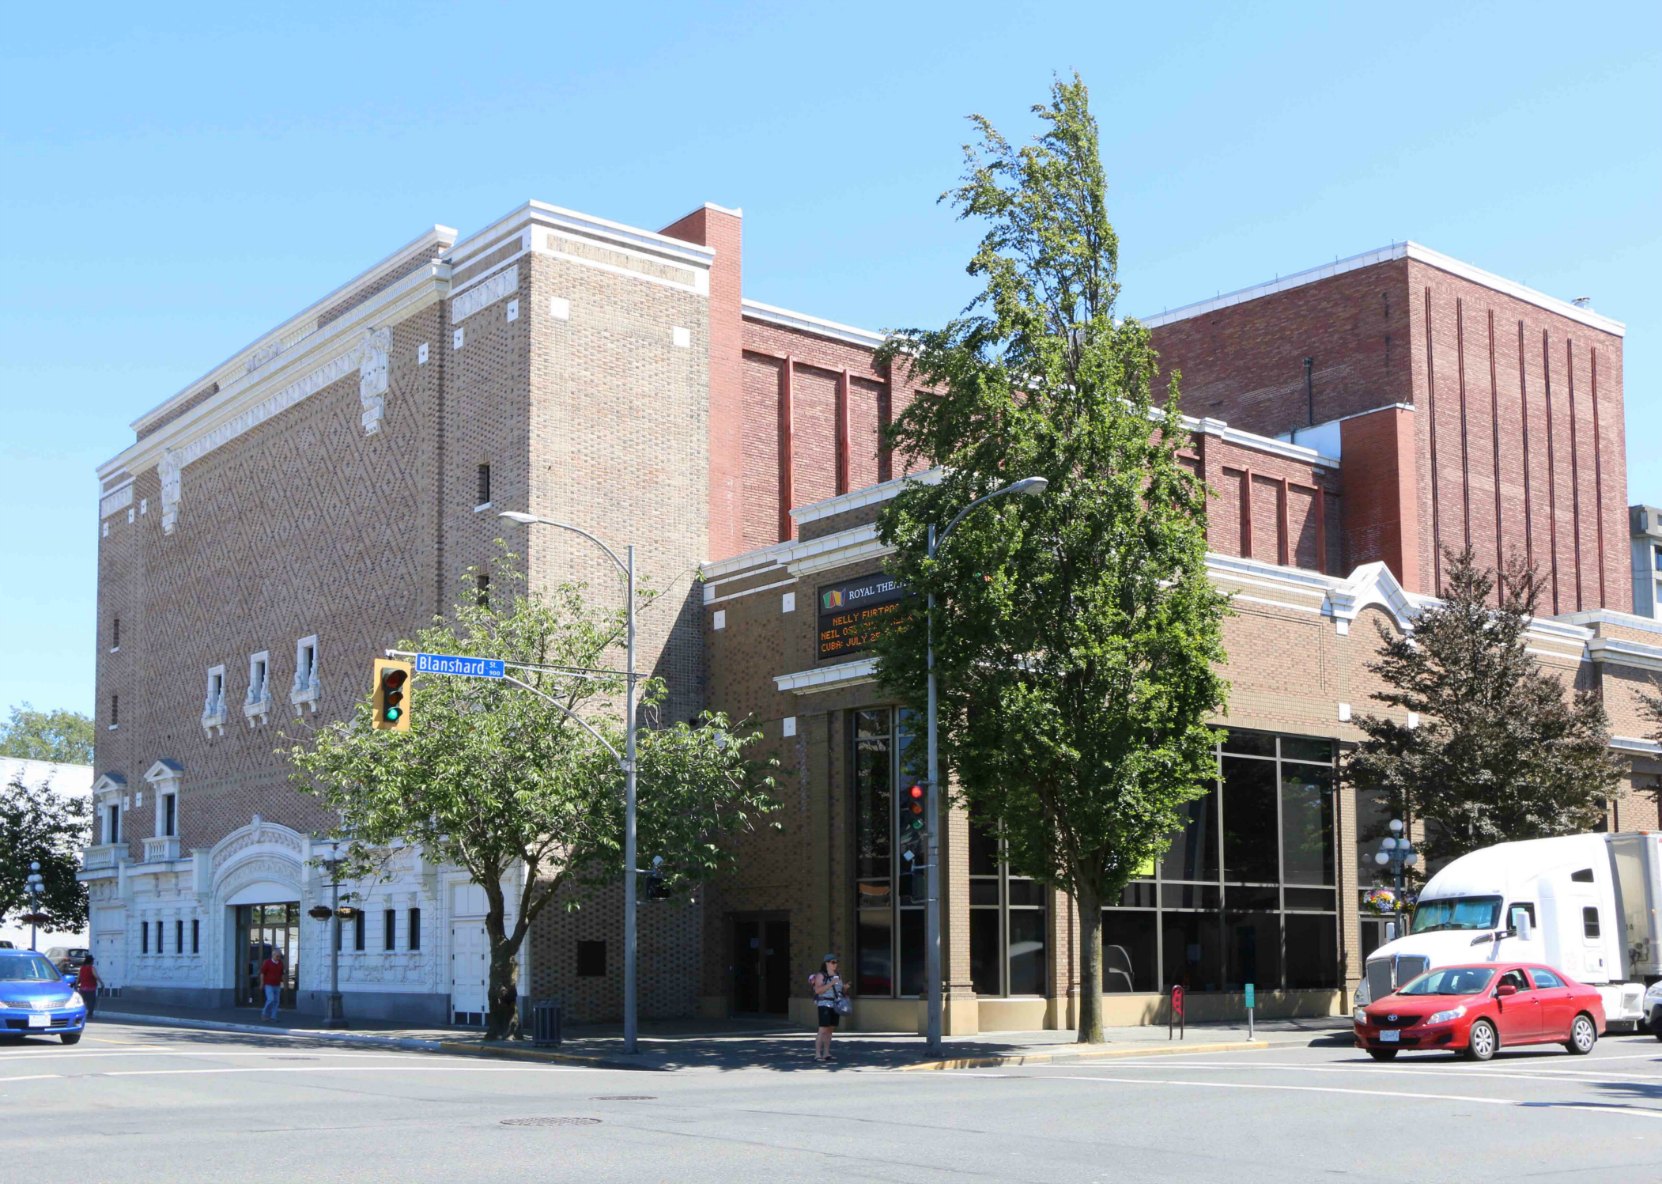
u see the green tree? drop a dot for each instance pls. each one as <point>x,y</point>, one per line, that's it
<point>1653,711</point>
<point>1076,633</point>
<point>1500,750</point>
<point>62,737</point>
<point>40,825</point>
<point>494,779</point>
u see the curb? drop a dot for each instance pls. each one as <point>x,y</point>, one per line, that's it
<point>1064,1058</point>
<point>462,1048</point>
<point>405,1043</point>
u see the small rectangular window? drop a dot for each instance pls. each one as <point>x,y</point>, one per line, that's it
<point>170,815</point>
<point>115,710</point>
<point>178,936</point>
<point>159,947</point>
<point>1584,876</point>
<point>389,930</point>
<point>112,824</point>
<point>484,491</point>
<point>259,666</point>
<point>144,937</point>
<point>415,929</point>
<point>482,590</point>
<point>591,959</point>
<point>1590,922</point>
<point>115,633</point>
<point>196,935</point>
<point>358,927</point>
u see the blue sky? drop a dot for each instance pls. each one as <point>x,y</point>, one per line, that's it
<point>177,180</point>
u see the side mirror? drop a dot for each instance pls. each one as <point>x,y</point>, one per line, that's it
<point>1505,989</point>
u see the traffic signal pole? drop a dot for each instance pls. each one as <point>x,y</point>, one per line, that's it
<point>629,875</point>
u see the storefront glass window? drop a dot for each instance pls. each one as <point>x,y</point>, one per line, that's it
<point>1009,922</point>
<point>889,924</point>
<point>1246,891</point>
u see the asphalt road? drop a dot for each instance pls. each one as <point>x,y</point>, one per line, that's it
<point>133,1104</point>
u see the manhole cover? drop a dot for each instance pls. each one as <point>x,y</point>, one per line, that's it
<point>625,1098</point>
<point>560,1121</point>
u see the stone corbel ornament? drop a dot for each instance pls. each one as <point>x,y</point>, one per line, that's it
<point>372,377</point>
<point>170,471</point>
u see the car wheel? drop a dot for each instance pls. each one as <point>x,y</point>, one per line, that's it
<point>1656,1023</point>
<point>1383,1054</point>
<point>1583,1035</point>
<point>1482,1042</point>
<point>71,1038</point>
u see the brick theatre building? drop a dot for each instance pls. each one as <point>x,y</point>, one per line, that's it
<point>1351,421</point>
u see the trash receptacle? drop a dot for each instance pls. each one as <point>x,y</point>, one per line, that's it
<point>545,1023</point>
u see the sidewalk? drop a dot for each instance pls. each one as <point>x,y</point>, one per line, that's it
<point>730,1045</point>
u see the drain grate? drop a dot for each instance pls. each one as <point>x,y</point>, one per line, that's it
<point>625,1098</point>
<point>557,1121</point>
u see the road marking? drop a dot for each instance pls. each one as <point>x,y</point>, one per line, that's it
<point>36,1077</point>
<point>1365,1093</point>
<point>1542,1074</point>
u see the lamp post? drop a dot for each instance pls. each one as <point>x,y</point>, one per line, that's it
<point>1397,852</point>
<point>35,886</point>
<point>335,1013</point>
<point>1031,486</point>
<point>627,567</point>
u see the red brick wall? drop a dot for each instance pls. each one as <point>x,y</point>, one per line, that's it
<point>1381,515</point>
<point>723,230</point>
<point>1551,482</point>
<point>1245,363</point>
<point>1264,505</point>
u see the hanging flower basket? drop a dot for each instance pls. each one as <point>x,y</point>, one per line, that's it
<point>321,911</point>
<point>1381,900</point>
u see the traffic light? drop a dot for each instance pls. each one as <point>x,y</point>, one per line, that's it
<point>391,696</point>
<point>911,812</point>
<point>913,848</point>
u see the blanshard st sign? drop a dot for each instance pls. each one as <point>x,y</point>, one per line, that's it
<point>451,664</point>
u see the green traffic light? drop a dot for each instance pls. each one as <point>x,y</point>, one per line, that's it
<point>392,714</point>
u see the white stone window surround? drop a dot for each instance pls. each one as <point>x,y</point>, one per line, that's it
<point>306,688</point>
<point>213,704</point>
<point>256,704</point>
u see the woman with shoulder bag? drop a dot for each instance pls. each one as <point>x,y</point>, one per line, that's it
<point>833,1003</point>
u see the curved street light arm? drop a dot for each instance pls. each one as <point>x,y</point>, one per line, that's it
<point>573,717</point>
<point>527,519</point>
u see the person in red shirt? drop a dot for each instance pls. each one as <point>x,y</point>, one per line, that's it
<point>271,978</point>
<point>87,983</point>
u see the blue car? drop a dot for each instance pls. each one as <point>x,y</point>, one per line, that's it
<point>35,1000</point>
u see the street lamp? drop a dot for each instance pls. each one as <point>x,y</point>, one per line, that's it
<point>1032,486</point>
<point>335,1013</point>
<point>1397,852</point>
<point>35,886</point>
<point>627,567</point>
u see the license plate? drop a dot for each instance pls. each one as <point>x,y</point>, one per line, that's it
<point>1389,1037</point>
<point>40,1020</point>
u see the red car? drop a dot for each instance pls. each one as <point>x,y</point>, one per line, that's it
<point>1474,1010</point>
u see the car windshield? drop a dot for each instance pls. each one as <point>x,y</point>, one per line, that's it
<point>1457,912</point>
<point>28,970</point>
<point>1451,980</point>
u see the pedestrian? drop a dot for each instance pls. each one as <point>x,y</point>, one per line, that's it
<point>832,1000</point>
<point>271,978</point>
<point>87,983</point>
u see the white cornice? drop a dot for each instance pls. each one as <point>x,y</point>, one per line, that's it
<point>1617,652</point>
<point>438,238</point>
<point>860,498</point>
<point>1636,744</point>
<point>749,563</point>
<point>1403,250</point>
<point>854,545</point>
<point>331,348</point>
<point>586,225</point>
<point>1604,616</point>
<point>827,678</point>
<point>819,326</point>
<point>1222,430</point>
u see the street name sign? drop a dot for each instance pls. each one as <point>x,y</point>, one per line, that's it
<point>452,664</point>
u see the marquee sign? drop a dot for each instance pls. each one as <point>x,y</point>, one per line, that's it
<point>852,613</point>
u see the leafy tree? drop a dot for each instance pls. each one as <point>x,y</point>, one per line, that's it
<point>1500,751</point>
<point>1076,633</point>
<point>39,825</point>
<point>62,737</point>
<point>1653,711</point>
<point>494,779</point>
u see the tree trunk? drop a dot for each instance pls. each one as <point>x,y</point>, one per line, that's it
<point>502,1021</point>
<point>1090,966</point>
